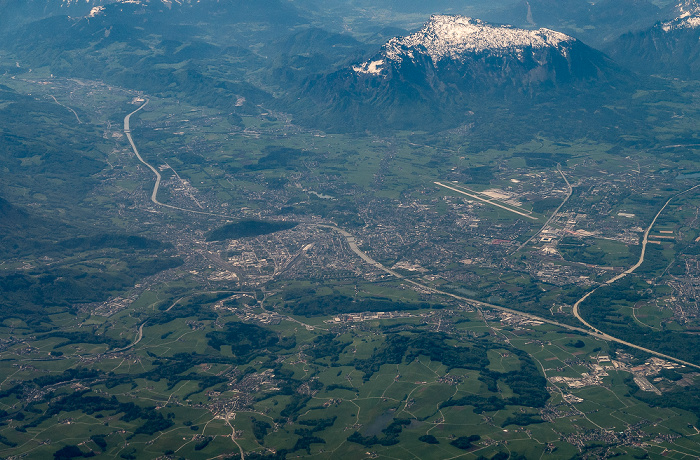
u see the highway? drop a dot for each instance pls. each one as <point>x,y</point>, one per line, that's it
<point>629,271</point>
<point>591,331</point>
<point>127,131</point>
<point>353,246</point>
<point>156,186</point>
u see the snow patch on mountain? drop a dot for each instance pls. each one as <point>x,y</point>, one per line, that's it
<point>370,67</point>
<point>168,3</point>
<point>688,17</point>
<point>683,22</point>
<point>73,2</point>
<point>96,11</point>
<point>688,6</point>
<point>451,36</point>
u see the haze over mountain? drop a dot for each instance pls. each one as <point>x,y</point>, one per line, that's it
<point>670,47</point>
<point>14,13</point>
<point>158,46</point>
<point>596,23</point>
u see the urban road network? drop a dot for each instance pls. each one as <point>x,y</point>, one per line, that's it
<point>352,243</point>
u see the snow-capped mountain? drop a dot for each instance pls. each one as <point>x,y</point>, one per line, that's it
<point>456,62</point>
<point>670,47</point>
<point>473,53</point>
<point>452,36</point>
<point>456,38</point>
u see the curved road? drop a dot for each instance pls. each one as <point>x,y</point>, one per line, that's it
<point>65,106</point>
<point>593,332</point>
<point>156,186</point>
<point>127,131</point>
<point>629,271</point>
<point>353,246</point>
<point>139,336</point>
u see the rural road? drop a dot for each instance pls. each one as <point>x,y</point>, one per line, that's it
<point>66,107</point>
<point>139,336</point>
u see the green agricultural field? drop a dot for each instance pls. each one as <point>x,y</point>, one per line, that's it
<point>383,404</point>
<point>127,332</point>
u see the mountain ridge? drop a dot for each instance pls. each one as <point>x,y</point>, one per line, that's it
<point>668,48</point>
<point>452,66</point>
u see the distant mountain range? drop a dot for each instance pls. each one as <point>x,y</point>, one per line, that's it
<point>241,56</point>
<point>670,47</point>
<point>15,13</point>
<point>595,23</point>
<point>155,46</point>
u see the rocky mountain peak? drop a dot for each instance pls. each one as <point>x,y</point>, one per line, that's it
<point>454,37</point>
<point>688,16</point>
